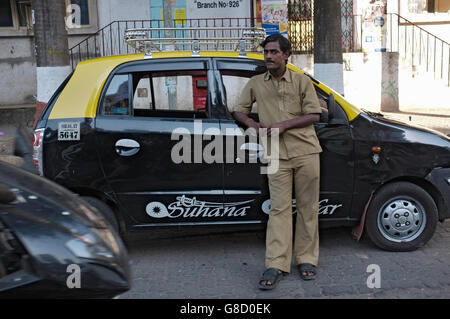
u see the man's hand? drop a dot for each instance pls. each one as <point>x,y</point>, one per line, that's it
<point>247,121</point>
<point>253,124</point>
<point>276,129</point>
<point>298,122</point>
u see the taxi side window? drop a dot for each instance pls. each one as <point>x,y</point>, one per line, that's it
<point>116,100</point>
<point>234,82</point>
<point>173,94</point>
<point>170,94</point>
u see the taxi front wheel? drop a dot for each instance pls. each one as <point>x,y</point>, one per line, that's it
<point>104,209</point>
<point>402,217</point>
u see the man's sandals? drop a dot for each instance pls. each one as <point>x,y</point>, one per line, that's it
<point>307,271</point>
<point>270,278</point>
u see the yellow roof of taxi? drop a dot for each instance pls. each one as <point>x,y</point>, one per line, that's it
<point>81,95</point>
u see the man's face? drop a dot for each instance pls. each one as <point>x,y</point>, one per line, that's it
<point>274,57</point>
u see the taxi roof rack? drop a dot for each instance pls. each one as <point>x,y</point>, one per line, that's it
<point>148,40</point>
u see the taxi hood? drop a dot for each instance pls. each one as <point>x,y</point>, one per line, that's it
<point>411,125</point>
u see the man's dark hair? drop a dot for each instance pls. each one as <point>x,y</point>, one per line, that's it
<point>285,44</point>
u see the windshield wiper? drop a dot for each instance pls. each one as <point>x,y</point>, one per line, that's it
<point>375,114</point>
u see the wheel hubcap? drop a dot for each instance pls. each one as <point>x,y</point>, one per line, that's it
<point>401,220</point>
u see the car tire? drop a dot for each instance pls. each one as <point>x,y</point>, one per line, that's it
<point>401,217</point>
<point>104,209</point>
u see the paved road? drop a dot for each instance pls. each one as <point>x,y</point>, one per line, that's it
<point>166,265</point>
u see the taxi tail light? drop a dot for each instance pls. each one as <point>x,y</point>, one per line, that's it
<point>37,150</point>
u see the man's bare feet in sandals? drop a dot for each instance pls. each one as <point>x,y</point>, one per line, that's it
<point>270,278</point>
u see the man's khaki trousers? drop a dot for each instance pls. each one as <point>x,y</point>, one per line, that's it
<point>304,173</point>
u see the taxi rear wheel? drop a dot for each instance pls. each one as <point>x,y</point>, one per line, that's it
<point>104,209</point>
<point>401,217</point>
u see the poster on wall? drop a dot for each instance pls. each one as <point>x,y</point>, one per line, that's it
<point>178,12</point>
<point>274,16</point>
<point>374,26</point>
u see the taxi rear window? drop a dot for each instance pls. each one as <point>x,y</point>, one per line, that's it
<point>180,93</point>
<point>46,113</point>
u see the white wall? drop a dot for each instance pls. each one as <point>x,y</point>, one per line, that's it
<point>304,62</point>
<point>17,71</point>
<point>360,5</point>
<point>112,10</point>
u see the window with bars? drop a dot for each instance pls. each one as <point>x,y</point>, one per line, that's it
<point>301,25</point>
<point>347,25</point>
<point>15,14</point>
<point>6,18</point>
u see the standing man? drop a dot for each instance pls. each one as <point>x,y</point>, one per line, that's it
<point>287,106</point>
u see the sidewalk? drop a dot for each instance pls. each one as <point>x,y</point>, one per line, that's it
<point>17,114</point>
<point>437,119</point>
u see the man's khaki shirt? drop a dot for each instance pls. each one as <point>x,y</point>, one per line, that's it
<point>277,101</point>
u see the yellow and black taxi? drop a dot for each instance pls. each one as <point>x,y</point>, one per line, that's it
<point>150,140</point>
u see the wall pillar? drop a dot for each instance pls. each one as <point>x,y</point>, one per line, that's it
<point>389,82</point>
<point>52,52</point>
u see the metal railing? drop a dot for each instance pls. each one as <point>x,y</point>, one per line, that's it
<point>301,33</point>
<point>110,40</point>
<point>418,47</point>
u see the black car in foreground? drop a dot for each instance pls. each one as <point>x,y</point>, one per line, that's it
<point>53,244</point>
<point>151,141</point>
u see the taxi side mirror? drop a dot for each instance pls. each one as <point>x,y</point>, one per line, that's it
<point>324,116</point>
<point>331,106</point>
<point>335,114</point>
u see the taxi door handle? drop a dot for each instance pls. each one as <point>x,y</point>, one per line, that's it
<point>254,150</point>
<point>126,147</point>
